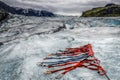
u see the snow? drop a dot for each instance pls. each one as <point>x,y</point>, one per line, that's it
<point>27,40</point>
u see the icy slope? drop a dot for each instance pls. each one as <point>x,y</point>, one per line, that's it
<point>27,40</point>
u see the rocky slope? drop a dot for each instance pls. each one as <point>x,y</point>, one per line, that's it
<point>26,12</point>
<point>109,10</point>
<point>3,14</point>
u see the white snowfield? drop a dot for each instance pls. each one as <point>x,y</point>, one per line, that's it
<point>27,40</point>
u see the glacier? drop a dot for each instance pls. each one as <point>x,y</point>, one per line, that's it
<point>27,40</point>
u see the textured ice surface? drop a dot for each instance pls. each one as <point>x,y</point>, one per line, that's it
<point>27,40</point>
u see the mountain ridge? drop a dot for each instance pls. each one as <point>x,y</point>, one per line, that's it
<point>109,10</point>
<point>26,12</point>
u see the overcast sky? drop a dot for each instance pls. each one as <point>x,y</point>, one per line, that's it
<point>64,7</point>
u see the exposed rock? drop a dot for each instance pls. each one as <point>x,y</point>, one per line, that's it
<point>46,13</point>
<point>1,43</point>
<point>3,14</point>
<point>110,10</point>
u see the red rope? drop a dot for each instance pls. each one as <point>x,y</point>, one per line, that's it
<point>92,64</point>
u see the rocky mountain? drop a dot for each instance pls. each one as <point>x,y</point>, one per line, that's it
<point>109,10</point>
<point>26,12</point>
<point>3,14</point>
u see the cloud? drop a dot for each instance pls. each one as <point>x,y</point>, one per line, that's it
<point>74,7</point>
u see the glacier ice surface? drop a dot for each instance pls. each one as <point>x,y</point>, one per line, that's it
<point>27,40</point>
